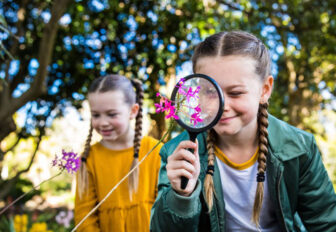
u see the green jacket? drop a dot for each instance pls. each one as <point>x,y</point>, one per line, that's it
<point>298,185</point>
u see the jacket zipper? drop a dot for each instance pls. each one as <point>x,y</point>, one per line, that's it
<point>282,215</point>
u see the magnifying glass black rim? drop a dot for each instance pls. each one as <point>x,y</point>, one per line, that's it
<point>221,103</point>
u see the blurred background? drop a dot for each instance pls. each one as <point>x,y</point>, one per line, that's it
<point>51,50</point>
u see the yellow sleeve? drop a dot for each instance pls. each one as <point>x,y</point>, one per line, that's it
<point>158,166</point>
<point>156,159</point>
<point>85,204</point>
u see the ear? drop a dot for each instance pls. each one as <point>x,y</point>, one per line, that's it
<point>134,111</point>
<point>266,89</point>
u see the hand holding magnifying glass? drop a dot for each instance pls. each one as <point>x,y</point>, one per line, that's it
<point>199,102</point>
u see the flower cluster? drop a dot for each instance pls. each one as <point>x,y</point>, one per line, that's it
<point>187,92</point>
<point>196,117</point>
<point>64,218</point>
<point>167,106</point>
<point>39,227</point>
<point>69,161</point>
<point>21,224</point>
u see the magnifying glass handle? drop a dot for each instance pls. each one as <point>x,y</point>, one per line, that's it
<point>185,180</point>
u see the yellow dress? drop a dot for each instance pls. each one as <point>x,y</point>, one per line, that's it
<point>118,213</point>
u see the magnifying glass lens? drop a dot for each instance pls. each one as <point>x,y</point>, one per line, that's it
<point>198,101</point>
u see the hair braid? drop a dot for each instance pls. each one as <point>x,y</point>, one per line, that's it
<point>83,180</point>
<point>208,182</point>
<point>263,151</point>
<point>133,181</point>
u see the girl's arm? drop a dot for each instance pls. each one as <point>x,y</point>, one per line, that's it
<point>171,211</point>
<point>84,205</point>
<point>317,198</point>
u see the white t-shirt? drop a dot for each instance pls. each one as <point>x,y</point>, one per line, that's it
<point>239,187</point>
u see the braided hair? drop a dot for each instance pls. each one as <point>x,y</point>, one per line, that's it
<point>83,179</point>
<point>111,83</point>
<point>133,181</point>
<point>263,151</point>
<point>208,181</point>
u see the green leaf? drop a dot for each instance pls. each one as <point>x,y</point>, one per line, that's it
<point>2,20</point>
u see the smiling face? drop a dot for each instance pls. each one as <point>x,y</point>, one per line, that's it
<point>111,115</point>
<point>243,90</point>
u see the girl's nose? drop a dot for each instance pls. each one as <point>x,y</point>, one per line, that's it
<point>227,103</point>
<point>104,121</point>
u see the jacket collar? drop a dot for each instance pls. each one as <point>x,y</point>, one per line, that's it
<point>285,141</point>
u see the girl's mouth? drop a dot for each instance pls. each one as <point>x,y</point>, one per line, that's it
<point>106,132</point>
<point>226,119</point>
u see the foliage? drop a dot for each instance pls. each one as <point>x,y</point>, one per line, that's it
<point>3,50</point>
<point>303,39</point>
<point>58,220</point>
<point>62,47</point>
<point>21,186</point>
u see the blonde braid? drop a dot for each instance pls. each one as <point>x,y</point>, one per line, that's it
<point>208,182</point>
<point>83,179</point>
<point>133,181</point>
<point>263,151</point>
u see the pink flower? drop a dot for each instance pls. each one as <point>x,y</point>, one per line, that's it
<point>181,87</point>
<point>191,93</point>
<point>172,112</point>
<point>165,105</point>
<point>69,161</point>
<point>195,117</point>
<point>159,107</point>
<point>181,82</point>
<point>198,109</point>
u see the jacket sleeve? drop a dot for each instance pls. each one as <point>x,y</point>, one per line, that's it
<point>172,212</point>
<point>317,198</point>
<point>84,205</point>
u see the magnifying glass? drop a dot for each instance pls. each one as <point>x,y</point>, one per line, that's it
<point>199,102</point>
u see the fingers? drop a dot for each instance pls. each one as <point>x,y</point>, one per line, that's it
<point>184,162</point>
<point>177,173</point>
<point>186,155</point>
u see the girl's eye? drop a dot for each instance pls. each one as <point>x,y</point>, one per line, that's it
<point>211,92</point>
<point>95,115</point>
<point>236,93</point>
<point>112,115</point>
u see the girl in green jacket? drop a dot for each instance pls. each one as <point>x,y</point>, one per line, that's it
<point>251,172</point>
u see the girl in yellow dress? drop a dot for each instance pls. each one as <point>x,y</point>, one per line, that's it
<point>114,103</point>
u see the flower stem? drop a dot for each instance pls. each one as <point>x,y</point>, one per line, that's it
<point>34,188</point>
<point>129,173</point>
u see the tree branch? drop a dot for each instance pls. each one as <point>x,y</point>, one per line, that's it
<point>38,86</point>
<point>19,137</point>
<point>7,126</point>
<point>39,139</point>
<point>3,153</point>
<point>8,185</point>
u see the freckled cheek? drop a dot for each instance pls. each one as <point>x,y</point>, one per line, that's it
<point>246,107</point>
<point>119,123</point>
<point>251,110</point>
<point>240,106</point>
